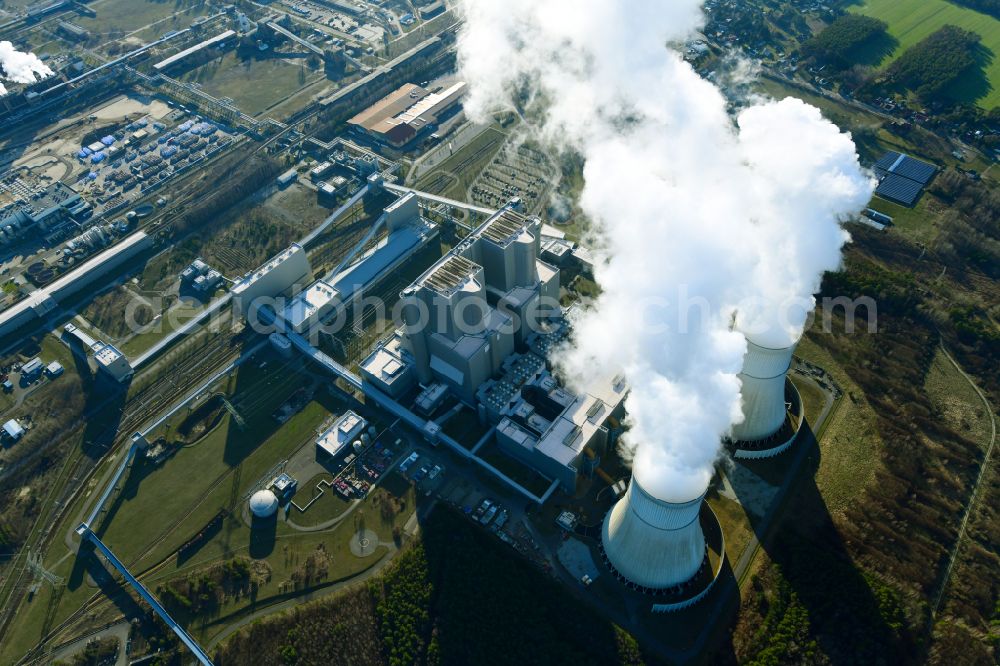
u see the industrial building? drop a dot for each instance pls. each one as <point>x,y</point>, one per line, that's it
<point>217,42</point>
<point>465,315</point>
<point>558,432</point>
<point>390,368</point>
<point>109,360</point>
<point>42,302</point>
<point>263,504</point>
<point>311,303</point>
<point>72,31</point>
<point>763,394</point>
<point>44,211</point>
<point>478,325</point>
<point>310,307</point>
<point>201,277</point>
<point>337,439</point>
<point>653,544</point>
<point>113,363</point>
<point>278,277</point>
<point>403,114</point>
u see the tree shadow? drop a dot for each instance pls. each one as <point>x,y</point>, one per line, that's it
<point>973,84</point>
<point>847,618</point>
<point>874,51</point>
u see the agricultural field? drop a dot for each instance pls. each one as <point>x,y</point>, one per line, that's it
<point>910,21</point>
<point>274,79</point>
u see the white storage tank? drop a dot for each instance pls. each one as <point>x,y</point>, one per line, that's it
<point>263,504</point>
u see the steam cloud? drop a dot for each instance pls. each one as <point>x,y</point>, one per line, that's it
<point>20,67</point>
<point>699,217</point>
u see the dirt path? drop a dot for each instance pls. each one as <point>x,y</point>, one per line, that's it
<point>939,596</point>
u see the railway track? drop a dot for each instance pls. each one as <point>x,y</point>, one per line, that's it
<point>78,467</point>
<point>99,599</point>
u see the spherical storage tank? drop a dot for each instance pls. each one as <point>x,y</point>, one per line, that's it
<point>263,504</point>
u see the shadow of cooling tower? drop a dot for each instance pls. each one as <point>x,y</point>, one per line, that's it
<point>803,542</point>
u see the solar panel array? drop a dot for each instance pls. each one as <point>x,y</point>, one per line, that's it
<point>914,169</point>
<point>899,189</point>
<point>903,178</point>
<point>885,162</point>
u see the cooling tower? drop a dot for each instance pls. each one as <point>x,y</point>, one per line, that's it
<point>763,379</point>
<point>651,542</point>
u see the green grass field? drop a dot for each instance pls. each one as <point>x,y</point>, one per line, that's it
<point>912,20</point>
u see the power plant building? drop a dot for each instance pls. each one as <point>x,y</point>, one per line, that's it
<point>464,316</point>
<point>651,543</point>
<point>337,438</point>
<point>763,392</point>
<point>478,324</point>
<point>403,114</point>
<point>278,277</point>
<point>310,307</point>
<point>113,363</point>
<point>543,424</point>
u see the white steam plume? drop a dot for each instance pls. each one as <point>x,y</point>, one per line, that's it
<point>20,67</point>
<point>700,217</point>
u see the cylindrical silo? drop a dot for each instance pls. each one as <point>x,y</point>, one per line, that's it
<point>525,270</point>
<point>763,391</point>
<point>651,542</point>
<point>416,319</point>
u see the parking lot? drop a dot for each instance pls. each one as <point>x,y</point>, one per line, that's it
<point>518,171</point>
<point>454,484</point>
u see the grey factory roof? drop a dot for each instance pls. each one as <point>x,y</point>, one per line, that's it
<point>503,227</point>
<point>450,275</point>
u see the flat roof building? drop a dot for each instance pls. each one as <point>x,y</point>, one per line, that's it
<point>113,363</point>
<point>42,301</point>
<point>309,307</point>
<point>13,430</point>
<point>338,437</point>
<point>218,41</point>
<point>284,271</point>
<point>469,311</point>
<point>400,116</point>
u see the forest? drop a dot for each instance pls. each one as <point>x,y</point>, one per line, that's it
<point>838,43</point>
<point>458,596</point>
<point>991,7</point>
<point>930,66</point>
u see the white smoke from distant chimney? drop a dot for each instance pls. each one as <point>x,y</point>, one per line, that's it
<point>700,217</point>
<point>20,67</point>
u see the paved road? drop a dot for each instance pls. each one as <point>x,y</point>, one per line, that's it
<point>119,631</point>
